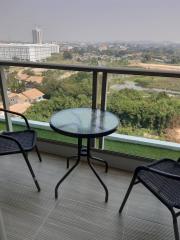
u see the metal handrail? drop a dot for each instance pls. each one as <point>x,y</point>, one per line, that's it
<point>83,68</point>
<point>102,69</point>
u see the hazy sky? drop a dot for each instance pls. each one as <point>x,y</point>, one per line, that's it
<point>91,20</point>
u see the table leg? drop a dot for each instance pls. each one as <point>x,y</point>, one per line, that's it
<point>63,178</point>
<point>71,169</point>
<point>69,158</point>
<point>91,157</point>
<point>100,160</point>
<point>94,171</point>
<point>98,177</point>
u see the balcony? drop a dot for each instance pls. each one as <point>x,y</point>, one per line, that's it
<point>125,145</point>
<point>80,211</point>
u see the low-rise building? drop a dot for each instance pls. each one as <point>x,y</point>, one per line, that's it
<point>33,95</point>
<point>20,102</point>
<point>27,52</point>
<point>15,98</point>
<point>35,79</point>
<point>20,107</point>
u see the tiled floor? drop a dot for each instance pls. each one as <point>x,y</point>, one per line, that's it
<point>80,212</point>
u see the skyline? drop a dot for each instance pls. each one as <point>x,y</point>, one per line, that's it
<point>90,21</point>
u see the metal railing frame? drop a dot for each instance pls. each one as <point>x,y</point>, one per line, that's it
<point>92,69</point>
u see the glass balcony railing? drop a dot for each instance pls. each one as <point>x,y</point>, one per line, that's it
<point>146,101</point>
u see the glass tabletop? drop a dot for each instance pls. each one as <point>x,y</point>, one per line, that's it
<point>84,122</point>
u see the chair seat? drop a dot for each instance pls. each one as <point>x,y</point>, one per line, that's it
<point>166,188</point>
<point>26,138</point>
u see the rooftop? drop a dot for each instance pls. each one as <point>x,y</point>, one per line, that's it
<point>36,79</point>
<point>12,95</point>
<point>33,93</point>
<point>22,97</point>
<point>23,76</point>
<point>80,211</point>
<point>20,107</point>
<point>27,45</point>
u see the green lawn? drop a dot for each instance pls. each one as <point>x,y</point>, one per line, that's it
<point>115,146</point>
<point>122,147</point>
<point>141,150</point>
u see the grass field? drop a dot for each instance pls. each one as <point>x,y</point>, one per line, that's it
<point>115,146</point>
<point>122,147</point>
<point>159,83</point>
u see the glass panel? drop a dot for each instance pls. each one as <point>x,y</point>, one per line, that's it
<point>2,117</point>
<point>38,93</point>
<point>147,106</point>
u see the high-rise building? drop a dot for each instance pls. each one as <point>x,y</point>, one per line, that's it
<point>37,36</point>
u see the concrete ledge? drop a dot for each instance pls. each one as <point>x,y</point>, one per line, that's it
<point>144,141</point>
<point>113,137</point>
<point>115,160</point>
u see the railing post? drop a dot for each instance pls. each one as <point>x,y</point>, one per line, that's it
<point>3,86</point>
<point>103,102</point>
<point>94,99</point>
<point>94,90</point>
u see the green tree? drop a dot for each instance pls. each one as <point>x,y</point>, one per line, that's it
<point>67,55</point>
<point>42,111</point>
<point>147,57</point>
<point>77,84</point>
<point>14,84</point>
<point>151,112</point>
<point>29,72</point>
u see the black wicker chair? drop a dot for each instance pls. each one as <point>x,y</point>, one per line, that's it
<point>163,180</point>
<point>20,142</point>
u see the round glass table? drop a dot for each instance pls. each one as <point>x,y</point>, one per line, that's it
<point>84,123</point>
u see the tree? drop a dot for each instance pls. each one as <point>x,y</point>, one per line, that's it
<point>53,85</point>
<point>17,86</point>
<point>175,60</point>
<point>42,111</point>
<point>14,84</point>
<point>151,112</point>
<point>67,55</point>
<point>29,72</point>
<point>146,57</point>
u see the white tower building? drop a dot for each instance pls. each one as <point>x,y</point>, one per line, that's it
<point>37,36</point>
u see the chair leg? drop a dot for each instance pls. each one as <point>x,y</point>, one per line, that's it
<point>175,226</point>
<point>31,171</point>
<point>38,153</point>
<point>127,193</point>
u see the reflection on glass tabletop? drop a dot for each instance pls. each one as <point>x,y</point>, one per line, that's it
<point>84,122</point>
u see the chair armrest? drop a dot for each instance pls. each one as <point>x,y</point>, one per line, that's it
<point>12,139</point>
<point>161,173</point>
<point>19,114</point>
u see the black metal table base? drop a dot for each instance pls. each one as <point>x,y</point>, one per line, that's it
<point>84,152</point>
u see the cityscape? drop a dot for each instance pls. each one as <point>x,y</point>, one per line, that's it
<point>34,52</point>
<point>33,91</point>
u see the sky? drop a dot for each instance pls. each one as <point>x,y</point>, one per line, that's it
<point>91,20</point>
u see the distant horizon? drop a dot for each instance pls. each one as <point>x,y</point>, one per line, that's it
<point>91,21</point>
<point>97,42</point>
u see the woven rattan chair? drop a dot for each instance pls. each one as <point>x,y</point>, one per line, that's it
<point>163,180</point>
<point>20,142</point>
